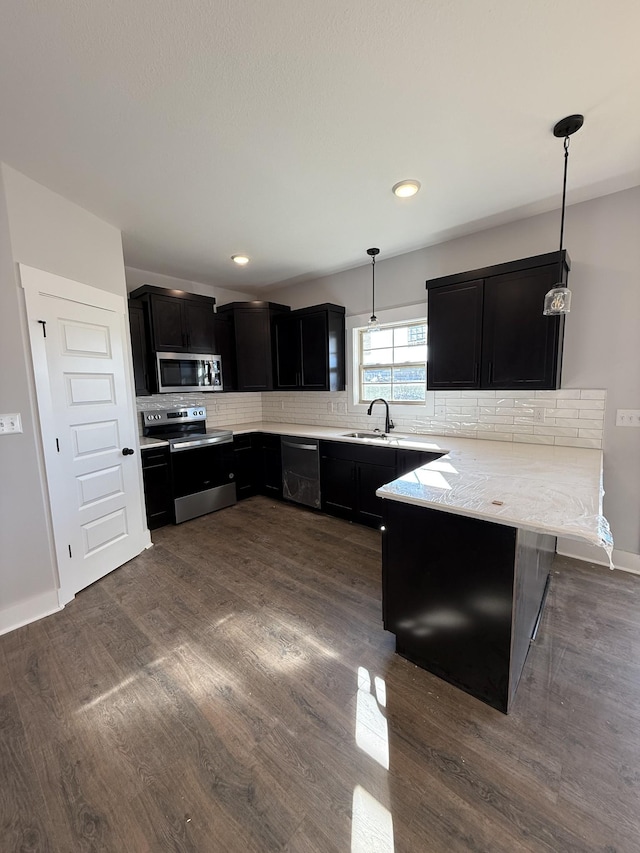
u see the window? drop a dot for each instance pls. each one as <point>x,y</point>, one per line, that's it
<point>393,363</point>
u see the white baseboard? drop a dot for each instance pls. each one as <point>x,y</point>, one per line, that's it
<point>623,560</point>
<point>28,611</point>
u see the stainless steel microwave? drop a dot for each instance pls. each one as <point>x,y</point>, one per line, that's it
<point>185,371</point>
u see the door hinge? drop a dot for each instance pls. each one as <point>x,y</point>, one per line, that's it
<point>70,554</point>
<point>43,323</point>
<point>57,445</point>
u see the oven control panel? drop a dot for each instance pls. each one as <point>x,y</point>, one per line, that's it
<point>173,416</point>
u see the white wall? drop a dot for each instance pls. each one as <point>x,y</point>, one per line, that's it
<point>602,337</point>
<point>44,230</point>
<point>136,277</point>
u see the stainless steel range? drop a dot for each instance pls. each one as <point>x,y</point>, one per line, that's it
<point>202,475</point>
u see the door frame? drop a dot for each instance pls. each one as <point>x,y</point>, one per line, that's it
<point>36,282</point>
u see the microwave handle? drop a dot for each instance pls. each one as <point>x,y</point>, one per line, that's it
<point>210,373</point>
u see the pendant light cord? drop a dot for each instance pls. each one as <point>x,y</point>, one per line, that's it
<point>564,196</point>
<point>373,287</point>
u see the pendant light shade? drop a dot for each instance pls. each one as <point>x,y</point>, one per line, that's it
<point>558,299</point>
<point>373,324</point>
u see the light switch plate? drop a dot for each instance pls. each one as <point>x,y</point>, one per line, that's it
<point>628,417</point>
<point>10,423</point>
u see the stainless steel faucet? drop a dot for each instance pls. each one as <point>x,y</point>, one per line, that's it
<point>388,423</point>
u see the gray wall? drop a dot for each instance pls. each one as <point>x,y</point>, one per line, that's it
<point>41,229</point>
<point>602,332</point>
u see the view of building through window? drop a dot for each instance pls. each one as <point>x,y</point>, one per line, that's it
<point>393,363</point>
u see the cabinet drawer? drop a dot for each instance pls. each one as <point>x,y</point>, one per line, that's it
<point>358,453</point>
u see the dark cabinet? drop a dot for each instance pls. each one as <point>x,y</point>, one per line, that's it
<point>178,321</point>
<point>157,486</point>
<point>486,328</point>
<point>139,350</point>
<point>454,334</point>
<point>349,477</point>
<point>246,461</point>
<point>269,464</point>
<point>257,465</point>
<point>253,334</point>
<point>310,349</point>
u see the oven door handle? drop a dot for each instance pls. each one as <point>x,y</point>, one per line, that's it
<point>178,446</point>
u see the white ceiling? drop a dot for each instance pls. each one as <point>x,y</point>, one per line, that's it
<point>277,128</point>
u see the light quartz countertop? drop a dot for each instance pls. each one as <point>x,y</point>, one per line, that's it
<point>544,488</point>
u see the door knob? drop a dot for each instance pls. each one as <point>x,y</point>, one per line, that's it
<point>128,451</point>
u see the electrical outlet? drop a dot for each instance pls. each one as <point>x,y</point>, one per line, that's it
<point>10,423</point>
<point>628,417</point>
<point>539,415</point>
<point>330,406</point>
<point>341,408</point>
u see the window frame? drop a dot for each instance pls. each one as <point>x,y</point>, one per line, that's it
<point>362,367</point>
<point>401,315</point>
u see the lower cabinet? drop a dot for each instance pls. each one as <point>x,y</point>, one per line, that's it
<point>245,465</point>
<point>157,487</point>
<point>258,467</point>
<point>350,474</point>
<point>349,477</point>
<point>270,465</point>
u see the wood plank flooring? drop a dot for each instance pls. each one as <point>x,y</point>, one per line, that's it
<point>232,689</point>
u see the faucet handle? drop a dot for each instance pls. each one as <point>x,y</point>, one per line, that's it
<point>391,424</point>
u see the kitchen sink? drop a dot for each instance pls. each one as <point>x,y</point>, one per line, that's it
<point>379,435</point>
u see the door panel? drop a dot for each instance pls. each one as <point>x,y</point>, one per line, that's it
<point>87,419</point>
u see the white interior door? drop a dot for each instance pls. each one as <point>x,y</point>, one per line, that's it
<point>88,424</point>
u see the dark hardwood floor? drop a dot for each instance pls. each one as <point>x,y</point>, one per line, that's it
<point>232,689</point>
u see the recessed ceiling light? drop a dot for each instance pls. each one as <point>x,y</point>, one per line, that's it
<point>405,189</point>
<point>241,260</point>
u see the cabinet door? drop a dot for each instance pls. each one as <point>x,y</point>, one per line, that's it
<point>337,486</point>
<point>253,349</point>
<point>287,351</point>
<point>139,350</point>
<point>271,484</point>
<point>370,478</point>
<point>157,487</point>
<point>520,345</point>
<point>314,357</point>
<point>454,328</point>
<point>224,346</point>
<point>199,322</point>
<point>168,324</point>
<point>246,466</point>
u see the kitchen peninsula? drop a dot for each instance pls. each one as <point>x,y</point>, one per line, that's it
<point>468,544</point>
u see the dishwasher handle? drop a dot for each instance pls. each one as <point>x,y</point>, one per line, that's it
<point>297,446</point>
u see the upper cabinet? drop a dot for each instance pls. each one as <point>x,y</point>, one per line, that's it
<point>486,328</point>
<point>139,349</point>
<point>309,349</point>
<point>253,330</point>
<point>178,321</point>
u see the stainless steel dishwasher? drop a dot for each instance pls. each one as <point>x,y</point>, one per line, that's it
<point>301,470</point>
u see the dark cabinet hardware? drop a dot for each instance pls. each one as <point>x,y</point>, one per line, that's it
<point>128,451</point>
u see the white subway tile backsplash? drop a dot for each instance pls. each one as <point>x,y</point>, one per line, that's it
<point>572,417</point>
<point>580,404</point>
<point>536,439</point>
<point>554,430</point>
<point>595,414</point>
<point>580,442</point>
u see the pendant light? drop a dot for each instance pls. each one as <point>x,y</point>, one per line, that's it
<point>558,299</point>
<point>373,320</point>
